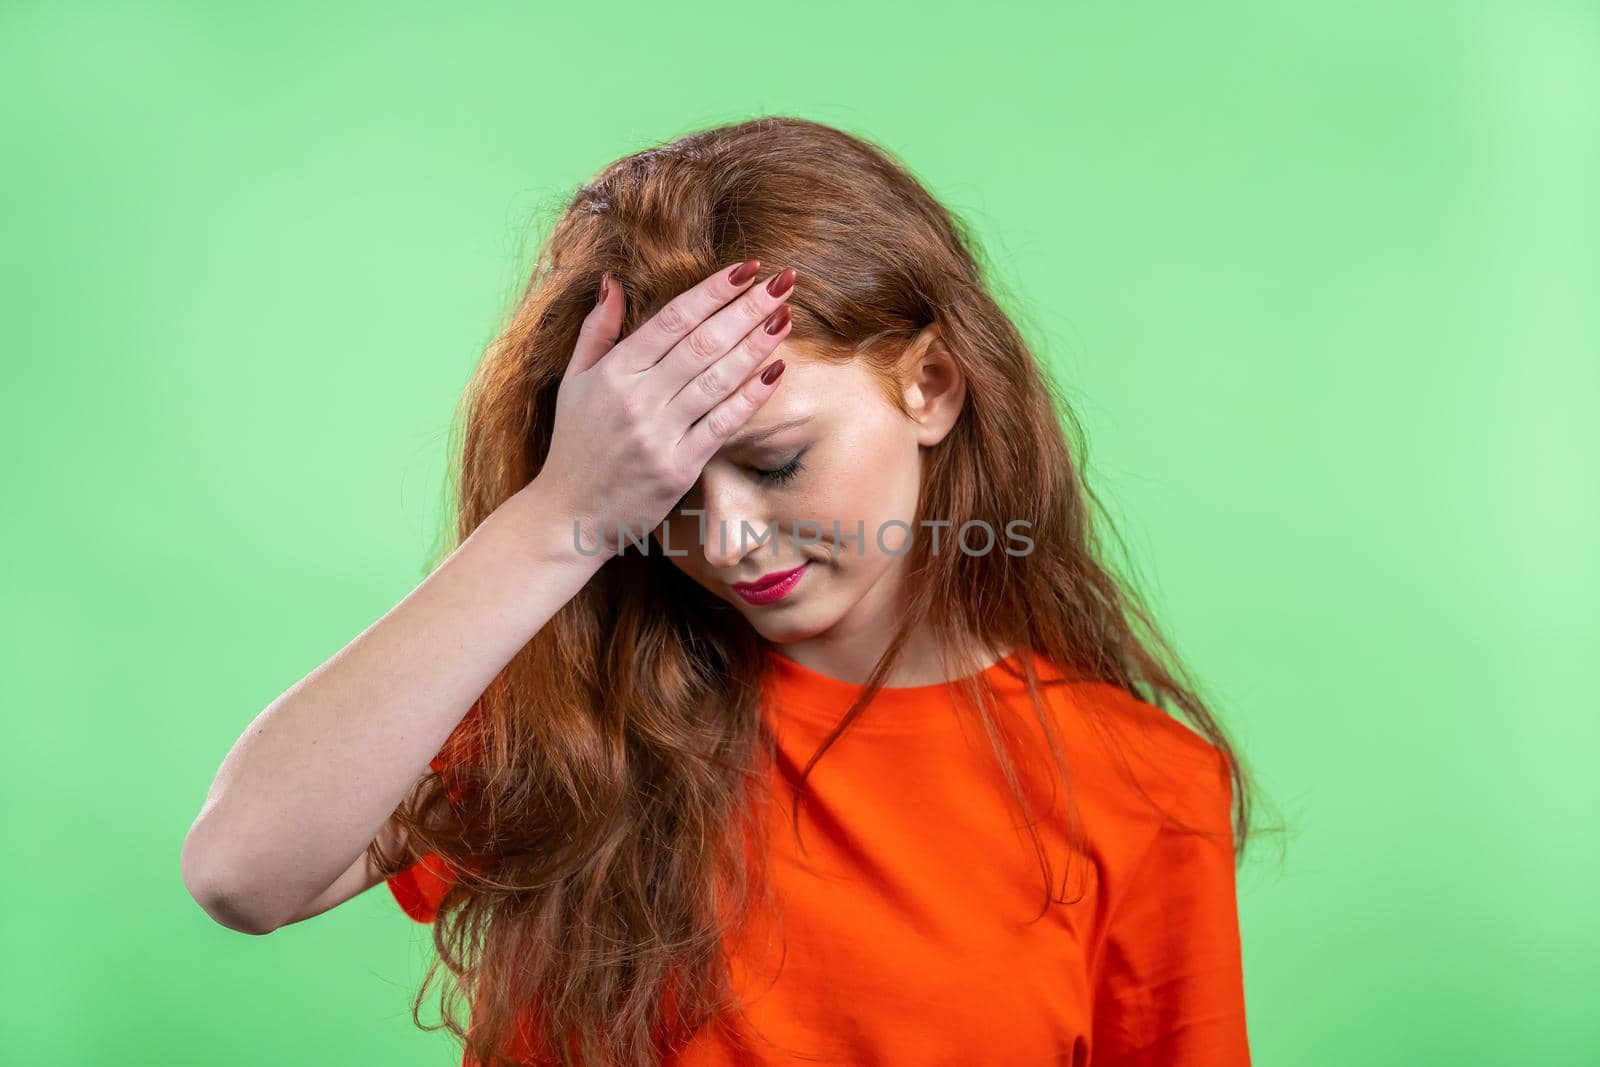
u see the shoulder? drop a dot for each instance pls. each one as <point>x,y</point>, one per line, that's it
<point>1142,765</point>
<point>1168,744</point>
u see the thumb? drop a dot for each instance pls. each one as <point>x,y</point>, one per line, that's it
<point>601,327</point>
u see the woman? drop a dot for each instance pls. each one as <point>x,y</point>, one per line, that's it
<point>775,618</point>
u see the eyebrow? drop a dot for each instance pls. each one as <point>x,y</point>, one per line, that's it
<point>757,436</point>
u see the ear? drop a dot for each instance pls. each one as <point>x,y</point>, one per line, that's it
<point>933,386</point>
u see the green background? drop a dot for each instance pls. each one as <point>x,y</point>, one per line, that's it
<point>1323,281</point>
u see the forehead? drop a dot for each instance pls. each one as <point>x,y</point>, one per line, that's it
<point>815,389</point>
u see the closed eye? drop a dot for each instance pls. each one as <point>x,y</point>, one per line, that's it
<point>783,473</point>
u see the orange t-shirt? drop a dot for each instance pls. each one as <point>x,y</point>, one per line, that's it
<point>908,921</point>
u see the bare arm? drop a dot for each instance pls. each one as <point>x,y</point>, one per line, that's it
<point>361,876</point>
<point>313,779</point>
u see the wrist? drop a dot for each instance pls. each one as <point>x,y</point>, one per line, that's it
<point>550,530</point>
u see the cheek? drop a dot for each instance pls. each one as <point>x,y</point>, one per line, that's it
<point>874,492</point>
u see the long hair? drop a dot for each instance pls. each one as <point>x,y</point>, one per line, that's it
<point>608,846</point>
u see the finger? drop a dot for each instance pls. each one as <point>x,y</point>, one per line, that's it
<point>598,334</point>
<point>724,420</point>
<point>712,385</point>
<point>680,315</point>
<point>709,343</point>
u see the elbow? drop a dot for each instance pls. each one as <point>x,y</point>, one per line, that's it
<point>225,911</point>
<point>218,894</point>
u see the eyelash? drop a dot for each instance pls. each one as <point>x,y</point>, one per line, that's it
<point>782,474</point>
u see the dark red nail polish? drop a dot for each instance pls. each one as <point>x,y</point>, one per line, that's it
<point>770,375</point>
<point>745,271</point>
<point>781,281</point>
<point>777,321</point>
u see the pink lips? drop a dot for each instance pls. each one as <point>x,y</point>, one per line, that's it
<point>771,587</point>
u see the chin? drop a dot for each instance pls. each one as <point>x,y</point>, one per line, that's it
<point>788,620</point>
<point>786,631</point>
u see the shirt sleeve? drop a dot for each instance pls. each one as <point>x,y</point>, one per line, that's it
<point>419,888</point>
<point>1170,987</point>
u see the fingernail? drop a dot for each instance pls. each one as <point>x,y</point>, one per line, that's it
<point>604,288</point>
<point>781,281</point>
<point>770,375</point>
<point>744,271</point>
<point>778,320</point>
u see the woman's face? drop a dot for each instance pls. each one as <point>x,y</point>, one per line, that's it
<point>824,477</point>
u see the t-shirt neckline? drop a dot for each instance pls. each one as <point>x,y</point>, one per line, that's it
<point>798,692</point>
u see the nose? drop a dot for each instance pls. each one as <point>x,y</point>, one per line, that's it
<point>736,525</point>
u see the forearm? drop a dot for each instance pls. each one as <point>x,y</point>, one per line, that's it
<point>311,780</point>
